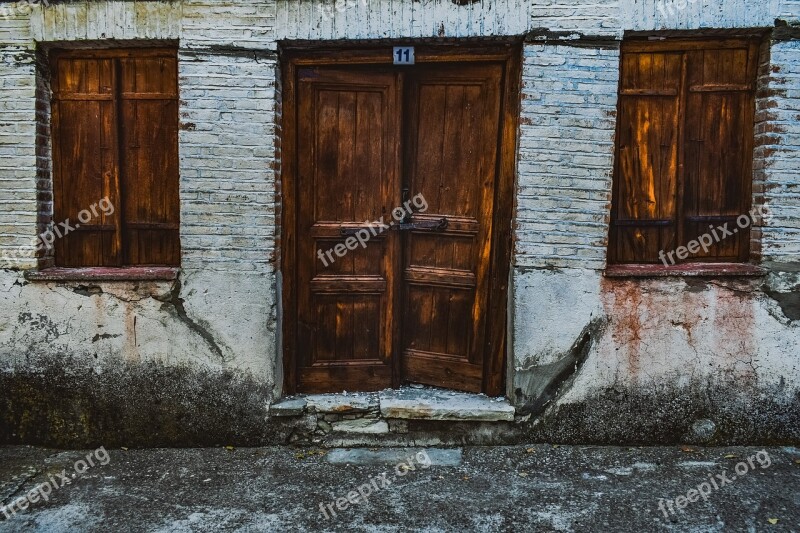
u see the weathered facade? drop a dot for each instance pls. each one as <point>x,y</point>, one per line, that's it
<point>590,356</point>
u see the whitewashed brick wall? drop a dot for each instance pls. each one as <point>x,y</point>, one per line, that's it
<point>642,15</point>
<point>376,19</point>
<point>779,110</point>
<point>18,214</point>
<point>89,20</point>
<point>229,160</point>
<point>569,98</point>
<point>227,152</point>
<point>244,24</point>
<point>789,10</point>
<point>228,109</point>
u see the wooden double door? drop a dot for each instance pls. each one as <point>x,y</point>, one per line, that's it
<point>394,210</point>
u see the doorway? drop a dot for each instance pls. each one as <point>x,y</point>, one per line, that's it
<point>397,187</point>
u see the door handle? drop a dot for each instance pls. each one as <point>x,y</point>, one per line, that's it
<point>423,225</point>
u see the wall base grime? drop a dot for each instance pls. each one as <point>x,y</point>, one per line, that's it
<point>152,405</point>
<point>131,404</point>
<point>666,415</point>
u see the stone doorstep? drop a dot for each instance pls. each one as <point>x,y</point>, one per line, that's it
<point>361,426</point>
<point>288,407</point>
<point>405,403</point>
<point>342,403</point>
<point>437,404</point>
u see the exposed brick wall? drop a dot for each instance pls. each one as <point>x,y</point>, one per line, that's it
<point>762,142</point>
<point>44,161</point>
<point>569,99</point>
<point>277,160</point>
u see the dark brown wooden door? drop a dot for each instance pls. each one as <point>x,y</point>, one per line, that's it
<point>410,305</point>
<point>348,176</point>
<point>451,160</point>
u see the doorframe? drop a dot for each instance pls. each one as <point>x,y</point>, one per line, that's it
<point>294,54</point>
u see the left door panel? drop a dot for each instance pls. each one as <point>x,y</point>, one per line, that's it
<point>348,142</point>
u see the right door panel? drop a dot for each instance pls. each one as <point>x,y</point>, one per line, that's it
<point>452,134</point>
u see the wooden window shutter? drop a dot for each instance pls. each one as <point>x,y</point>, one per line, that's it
<point>684,148</point>
<point>115,135</point>
<point>149,160</point>
<point>85,163</point>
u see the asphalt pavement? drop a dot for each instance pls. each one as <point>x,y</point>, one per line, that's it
<point>517,488</point>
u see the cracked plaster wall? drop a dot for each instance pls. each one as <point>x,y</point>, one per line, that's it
<point>679,331</point>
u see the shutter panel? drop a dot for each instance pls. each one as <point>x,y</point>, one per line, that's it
<point>644,218</point>
<point>718,145</point>
<point>85,162</point>
<point>149,159</point>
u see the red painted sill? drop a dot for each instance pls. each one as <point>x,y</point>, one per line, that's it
<point>684,270</point>
<point>104,274</point>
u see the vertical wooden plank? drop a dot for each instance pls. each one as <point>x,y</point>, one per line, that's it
<point>680,229</point>
<point>288,181</point>
<point>113,184</point>
<point>646,165</point>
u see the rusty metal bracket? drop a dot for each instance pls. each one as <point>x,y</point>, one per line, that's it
<point>424,225</point>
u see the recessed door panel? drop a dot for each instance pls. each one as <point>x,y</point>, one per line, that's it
<point>451,160</point>
<point>348,134</point>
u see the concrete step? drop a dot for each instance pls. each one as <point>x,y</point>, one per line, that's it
<point>437,404</point>
<point>394,417</point>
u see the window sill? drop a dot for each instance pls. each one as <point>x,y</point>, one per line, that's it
<point>685,270</point>
<point>104,274</point>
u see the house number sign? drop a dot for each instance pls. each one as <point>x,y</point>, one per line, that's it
<point>403,55</point>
